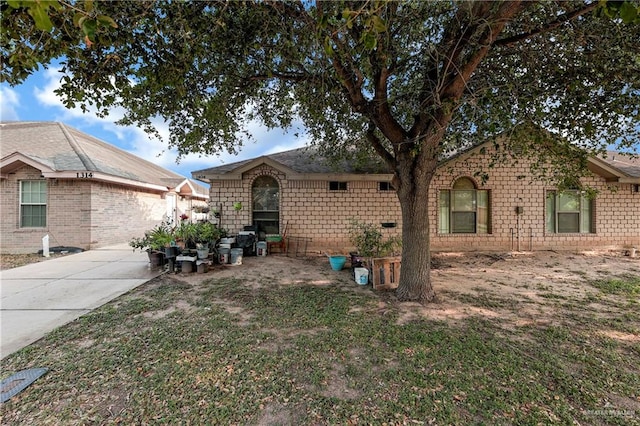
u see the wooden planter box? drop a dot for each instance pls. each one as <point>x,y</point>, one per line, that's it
<point>384,272</point>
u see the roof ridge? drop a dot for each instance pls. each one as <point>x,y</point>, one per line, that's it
<point>75,145</point>
<point>120,151</point>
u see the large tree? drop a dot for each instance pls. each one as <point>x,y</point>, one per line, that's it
<point>410,81</point>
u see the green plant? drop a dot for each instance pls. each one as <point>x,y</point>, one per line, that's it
<point>207,233</point>
<point>153,240</point>
<point>370,242</point>
<point>187,232</point>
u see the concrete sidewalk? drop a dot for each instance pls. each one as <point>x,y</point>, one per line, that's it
<point>37,298</point>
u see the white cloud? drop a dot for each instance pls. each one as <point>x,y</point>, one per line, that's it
<point>9,104</point>
<point>136,141</point>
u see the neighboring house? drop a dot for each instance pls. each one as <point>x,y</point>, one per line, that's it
<point>296,192</point>
<point>81,191</point>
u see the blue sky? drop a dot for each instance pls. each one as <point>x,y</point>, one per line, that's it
<point>35,100</point>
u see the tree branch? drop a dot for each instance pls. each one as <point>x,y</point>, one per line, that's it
<point>376,143</point>
<point>478,22</point>
<point>549,26</point>
<point>505,13</point>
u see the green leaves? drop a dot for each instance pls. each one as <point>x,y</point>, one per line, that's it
<point>209,68</point>
<point>627,11</point>
<point>87,20</point>
<point>90,24</point>
<point>372,25</point>
<point>38,10</point>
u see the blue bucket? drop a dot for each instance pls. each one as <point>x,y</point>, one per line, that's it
<point>337,262</point>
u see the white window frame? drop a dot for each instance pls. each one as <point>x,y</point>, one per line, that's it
<point>31,202</point>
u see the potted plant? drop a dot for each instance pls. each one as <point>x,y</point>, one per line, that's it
<point>373,250</point>
<point>186,234</point>
<point>206,236</point>
<point>153,242</point>
<point>370,242</point>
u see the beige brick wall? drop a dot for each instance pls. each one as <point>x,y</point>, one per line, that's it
<point>119,213</point>
<point>617,212</point>
<point>80,213</point>
<point>68,215</point>
<point>310,209</point>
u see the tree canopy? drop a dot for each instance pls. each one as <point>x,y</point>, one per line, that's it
<point>340,65</point>
<point>408,80</point>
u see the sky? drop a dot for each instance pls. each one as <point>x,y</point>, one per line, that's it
<point>35,100</point>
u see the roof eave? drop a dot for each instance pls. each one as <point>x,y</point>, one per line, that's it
<point>16,160</point>
<point>339,177</point>
<point>103,177</point>
<point>194,191</point>
<point>607,171</point>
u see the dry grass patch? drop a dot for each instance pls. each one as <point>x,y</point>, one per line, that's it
<point>513,339</point>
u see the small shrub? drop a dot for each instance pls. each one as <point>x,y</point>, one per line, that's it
<point>370,242</point>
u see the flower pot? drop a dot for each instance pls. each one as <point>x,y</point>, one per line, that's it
<point>156,259</point>
<point>203,253</point>
<point>171,251</point>
<point>337,262</point>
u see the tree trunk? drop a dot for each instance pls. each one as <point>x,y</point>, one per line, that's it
<point>415,279</point>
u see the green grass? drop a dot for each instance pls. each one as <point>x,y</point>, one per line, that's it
<point>628,285</point>
<point>319,355</point>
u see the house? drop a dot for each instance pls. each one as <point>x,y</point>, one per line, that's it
<point>297,193</point>
<point>81,191</point>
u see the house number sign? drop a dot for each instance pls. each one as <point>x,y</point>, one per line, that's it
<point>84,175</point>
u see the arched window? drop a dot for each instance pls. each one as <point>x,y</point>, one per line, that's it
<point>464,209</point>
<point>265,195</point>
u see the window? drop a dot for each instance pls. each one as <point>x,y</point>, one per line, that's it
<point>568,212</point>
<point>266,204</point>
<point>464,209</point>
<point>337,186</point>
<point>33,204</point>
<point>385,186</point>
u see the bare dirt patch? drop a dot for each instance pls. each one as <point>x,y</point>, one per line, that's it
<point>290,341</point>
<point>519,288</point>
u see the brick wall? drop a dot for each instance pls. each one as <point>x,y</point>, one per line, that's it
<point>308,208</point>
<point>119,213</point>
<point>617,212</point>
<point>80,213</point>
<point>68,214</point>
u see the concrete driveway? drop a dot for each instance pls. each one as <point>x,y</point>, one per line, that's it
<point>37,298</point>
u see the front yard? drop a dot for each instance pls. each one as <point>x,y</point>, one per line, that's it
<point>514,339</point>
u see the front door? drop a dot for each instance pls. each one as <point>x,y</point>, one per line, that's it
<point>266,204</point>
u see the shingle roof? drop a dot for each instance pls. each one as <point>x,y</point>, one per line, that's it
<point>309,161</point>
<point>63,148</point>
<point>302,160</point>
<point>625,163</point>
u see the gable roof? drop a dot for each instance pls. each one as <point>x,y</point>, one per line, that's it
<point>308,163</point>
<point>300,164</point>
<point>623,166</point>
<point>61,151</point>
